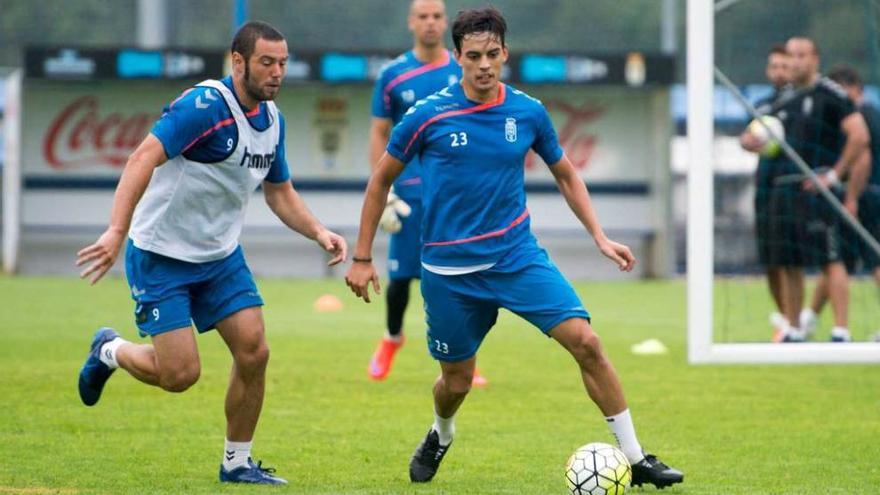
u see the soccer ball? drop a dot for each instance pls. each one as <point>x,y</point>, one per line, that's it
<point>771,147</point>
<point>598,469</point>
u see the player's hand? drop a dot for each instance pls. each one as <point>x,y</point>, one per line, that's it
<point>395,209</point>
<point>750,142</point>
<point>360,276</point>
<point>100,256</point>
<point>827,179</point>
<point>333,244</point>
<point>620,254</point>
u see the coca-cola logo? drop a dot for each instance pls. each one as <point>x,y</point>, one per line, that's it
<point>79,136</point>
<point>577,141</point>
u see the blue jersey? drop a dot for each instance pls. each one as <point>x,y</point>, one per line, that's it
<point>401,83</point>
<point>472,156</point>
<point>199,126</point>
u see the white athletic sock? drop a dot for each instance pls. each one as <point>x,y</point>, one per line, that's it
<point>236,454</point>
<point>624,432</point>
<point>108,352</point>
<point>808,320</point>
<point>778,320</point>
<point>445,428</point>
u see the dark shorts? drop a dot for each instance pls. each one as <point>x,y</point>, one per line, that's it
<point>171,294</point>
<point>784,228</point>
<point>827,237</point>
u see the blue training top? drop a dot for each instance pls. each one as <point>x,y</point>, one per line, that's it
<point>199,125</point>
<point>402,82</point>
<point>472,155</point>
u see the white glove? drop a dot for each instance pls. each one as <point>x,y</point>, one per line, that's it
<point>395,209</point>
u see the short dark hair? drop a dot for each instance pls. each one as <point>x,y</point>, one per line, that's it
<point>246,37</point>
<point>846,75</point>
<point>486,19</point>
<point>810,40</point>
<point>777,49</point>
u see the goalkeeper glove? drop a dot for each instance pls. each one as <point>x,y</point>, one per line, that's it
<point>395,209</point>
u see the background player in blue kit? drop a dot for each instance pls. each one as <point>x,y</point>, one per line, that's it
<point>181,202</point>
<point>479,254</point>
<point>425,69</point>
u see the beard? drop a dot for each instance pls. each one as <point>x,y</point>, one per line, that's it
<point>252,89</point>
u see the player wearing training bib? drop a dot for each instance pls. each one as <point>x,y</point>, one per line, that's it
<point>181,202</point>
<point>478,253</point>
<point>412,76</point>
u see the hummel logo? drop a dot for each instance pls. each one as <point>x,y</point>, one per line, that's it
<point>107,354</point>
<point>230,454</point>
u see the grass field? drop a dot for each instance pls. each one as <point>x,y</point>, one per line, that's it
<point>795,430</point>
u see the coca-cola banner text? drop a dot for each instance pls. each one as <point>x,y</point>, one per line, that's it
<point>87,130</point>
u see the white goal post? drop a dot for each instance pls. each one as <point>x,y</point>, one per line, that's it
<point>12,172</point>
<point>702,348</point>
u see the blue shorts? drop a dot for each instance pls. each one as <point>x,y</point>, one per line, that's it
<point>460,309</point>
<point>405,250</point>
<point>171,294</point>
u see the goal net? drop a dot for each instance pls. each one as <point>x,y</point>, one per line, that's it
<point>781,241</point>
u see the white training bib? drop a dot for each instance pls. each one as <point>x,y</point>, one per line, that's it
<point>193,211</point>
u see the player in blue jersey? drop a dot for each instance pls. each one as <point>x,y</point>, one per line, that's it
<point>180,203</point>
<point>478,252</point>
<point>418,73</point>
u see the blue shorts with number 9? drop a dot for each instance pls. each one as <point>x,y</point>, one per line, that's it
<point>460,309</point>
<point>171,294</point>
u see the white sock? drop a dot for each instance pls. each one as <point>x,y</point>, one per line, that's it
<point>624,432</point>
<point>808,319</point>
<point>108,352</point>
<point>236,454</point>
<point>445,428</point>
<point>807,314</point>
<point>778,320</point>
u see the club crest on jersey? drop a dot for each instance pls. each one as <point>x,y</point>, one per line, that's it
<point>452,79</point>
<point>510,129</point>
<point>256,161</point>
<point>408,96</point>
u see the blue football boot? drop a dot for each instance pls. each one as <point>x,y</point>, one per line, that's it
<point>251,473</point>
<point>94,373</point>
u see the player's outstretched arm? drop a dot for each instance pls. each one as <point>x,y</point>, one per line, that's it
<point>362,272</point>
<point>575,192</point>
<point>101,255</point>
<point>380,130</point>
<point>290,208</point>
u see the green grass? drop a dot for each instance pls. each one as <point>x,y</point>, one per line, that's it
<point>795,430</point>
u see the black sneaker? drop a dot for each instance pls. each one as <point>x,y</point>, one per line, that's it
<point>426,460</point>
<point>651,470</point>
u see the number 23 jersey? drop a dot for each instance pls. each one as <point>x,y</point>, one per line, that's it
<point>472,156</point>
